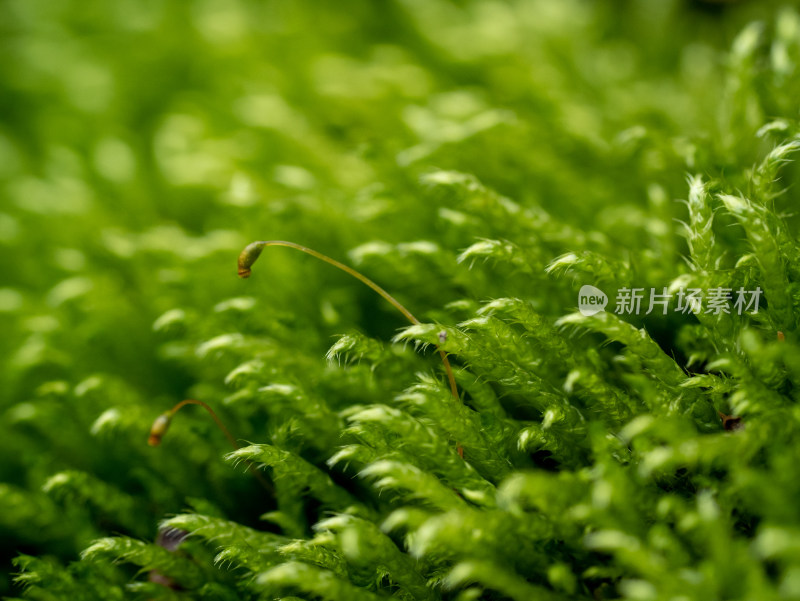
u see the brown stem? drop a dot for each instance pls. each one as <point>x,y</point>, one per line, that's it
<point>163,421</point>
<point>730,422</point>
<point>252,251</point>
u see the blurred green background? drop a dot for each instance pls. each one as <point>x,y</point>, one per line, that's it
<point>143,143</point>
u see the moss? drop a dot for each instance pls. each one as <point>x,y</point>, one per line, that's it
<point>481,162</point>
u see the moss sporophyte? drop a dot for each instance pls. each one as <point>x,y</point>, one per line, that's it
<point>163,421</point>
<point>253,250</point>
<point>246,259</point>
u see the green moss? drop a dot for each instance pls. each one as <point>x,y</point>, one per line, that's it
<point>481,162</point>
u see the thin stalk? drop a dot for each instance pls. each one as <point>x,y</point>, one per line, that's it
<point>252,251</point>
<point>163,421</point>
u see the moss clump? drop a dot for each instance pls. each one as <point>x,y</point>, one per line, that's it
<point>480,161</point>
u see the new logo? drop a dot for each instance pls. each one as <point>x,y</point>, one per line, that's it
<point>591,300</point>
